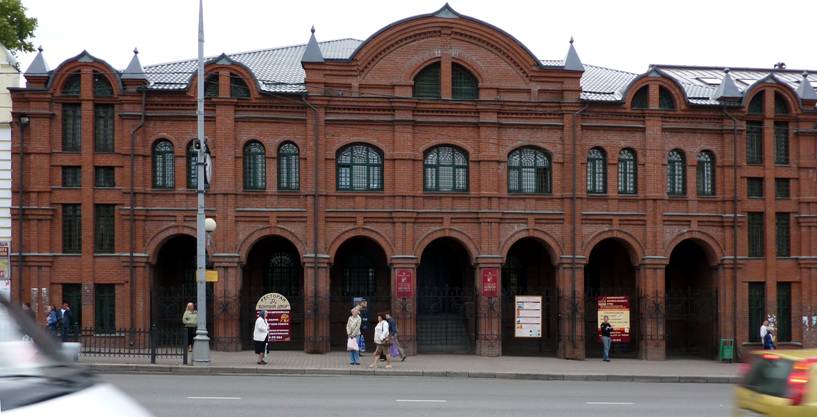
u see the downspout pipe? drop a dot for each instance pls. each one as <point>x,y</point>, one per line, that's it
<point>734,224</point>
<point>573,216</point>
<point>315,206</point>
<point>23,121</point>
<point>133,204</point>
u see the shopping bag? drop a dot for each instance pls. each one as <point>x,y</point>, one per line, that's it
<point>351,344</point>
<point>393,352</point>
<point>361,343</point>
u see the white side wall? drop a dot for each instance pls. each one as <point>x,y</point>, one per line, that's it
<point>9,77</point>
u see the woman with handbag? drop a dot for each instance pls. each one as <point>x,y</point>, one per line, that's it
<point>382,340</point>
<point>260,336</point>
<point>353,334</point>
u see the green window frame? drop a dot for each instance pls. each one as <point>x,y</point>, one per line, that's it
<point>781,143</point>
<point>427,82</point>
<point>104,177</point>
<point>665,100</point>
<point>102,87</point>
<point>445,169</point>
<point>596,171</point>
<point>754,187</point>
<point>706,173</point>
<point>464,85</point>
<point>529,171</point>
<point>756,229</point>
<point>103,128</point>
<point>627,172</point>
<point>782,188</point>
<point>359,168</point>
<point>754,143</point>
<point>757,103</point>
<point>784,312</point>
<point>211,86</point>
<point>104,309</point>
<point>359,278</point>
<point>780,106</point>
<point>676,173</point>
<point>71,176</point>
<point>72,228</point>
<point>641,98</point>
<point>783,234</point>
<point>72,294</point>
<point>71,127</point>
<point>164,170</point>
<point>104,228</point>
<point>283,275</point>
<point>238,87</point>
<point>255,166</point>
<point>757,309</point>
<point>289,170</point>
<point>72,85</point>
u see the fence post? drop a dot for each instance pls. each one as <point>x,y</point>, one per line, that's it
<point>153,335</point>
<point>184,345</point>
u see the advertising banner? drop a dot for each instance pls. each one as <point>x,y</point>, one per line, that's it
<point>490,282</point>
<point>617,310</point>
<point>528,316</point>
<point>278,316</point>
<point>5,269</point>
<point>404,278</point>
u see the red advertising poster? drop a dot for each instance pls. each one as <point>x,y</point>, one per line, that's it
<point>278,316</point>
<point>490,282</point>
<point>617,310</point>
<point>404,284</point>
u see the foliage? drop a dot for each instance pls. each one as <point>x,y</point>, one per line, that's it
<point>15,27</point>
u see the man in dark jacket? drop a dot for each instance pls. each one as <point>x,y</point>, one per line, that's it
<point>393,335</point>
<point>65,320</point>
<point>606,337</point>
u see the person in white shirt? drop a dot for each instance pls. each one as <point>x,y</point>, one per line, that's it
<point>382,340</point>
<point>764,328</point>
<point>260,336</point>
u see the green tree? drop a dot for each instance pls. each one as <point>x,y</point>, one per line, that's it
<point>15,27</point>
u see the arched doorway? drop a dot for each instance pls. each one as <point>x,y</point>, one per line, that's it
<point>528,270</point>
<point>691,302</point>
<point>360,272</point>
<point>273,265</point>
<point>610,272</point>
<point>446,308</point>
<point>174,284</point>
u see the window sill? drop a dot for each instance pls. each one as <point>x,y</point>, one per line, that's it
<point>708,197</point>
<point>163,190</point>
<point>77,254</point>
<point>597,195</point>
<point>752,197</point>
<point>452,192</point>
<point>524,194</point>
<point>361,191</point>
<point>677,197</point>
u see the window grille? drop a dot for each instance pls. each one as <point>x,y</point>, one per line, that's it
<point>529,171</point>
<point>464,85</point>
<point>596,171</point>
<point>641,99</point>
<point>104,228</point>
<point>754,143</point>
<point>446,169</point>
<point>782,188</point>
<point>104,308</point>
<point>754,187</point>
<point>757,309</point>
<point>359,168</point>
<point>104,177</point>
<point>627,172</point>
<point>706,173</point>
<point>756,234</point>
<point>71,176</point>
<point>283,275</point>
<point>288,167</point>
<point>71,127</point>
<point>163,165</point>
<point>427,82</point>
<point>781,143</point>
<point>783,234</point>
<point>676,173</point>
<point>104,128</point>
<point>71,228</point>
<point>102,87</point>
<point>255,166</point>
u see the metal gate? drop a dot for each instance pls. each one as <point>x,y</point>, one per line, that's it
<point>691,317</point>
<point>446,321</point>
<point>593,345</point>
<point>548,344</point>
<point>168,305</point>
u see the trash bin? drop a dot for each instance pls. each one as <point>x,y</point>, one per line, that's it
<point>727,350</point>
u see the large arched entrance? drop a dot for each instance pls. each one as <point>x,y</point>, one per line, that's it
<point>691,302</point>
<point>273,265</point>
<point>528,270</point>
<point>610,273</point>
<point>446,308</point>
<point>174,284</point>
<point>360,272</point>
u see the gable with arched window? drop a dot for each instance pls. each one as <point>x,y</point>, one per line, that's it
<point>627,172</point>
<point>103,115</point>
<point>211,85</point>
<point>676,172</point>
<point>288,167</point>
<point>529,171</point>
<point>641,98</point>
<point>596,171</point>
<point>163,161</point>
<point>464,85</point>
<point>72,85</point>
<point>102,87</point>
<point>780,105</point>
<point>665,100</point>
<point>238,87</point>
<point>757,103</point>
<point>445,169</point>
<point>427,82</point>
<point>255,166</point>
<point>705,171</point>
<point>359,168</point>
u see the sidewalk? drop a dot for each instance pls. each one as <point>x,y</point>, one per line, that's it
<point>464,366</point>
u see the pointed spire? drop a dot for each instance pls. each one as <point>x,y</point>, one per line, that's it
<point>727,89</point>
<point>572,61</point>
<point>805,91</point>
<point>446,12</point>
<point>38,65</point>
<point>134,70</point>
<point>313,50</point>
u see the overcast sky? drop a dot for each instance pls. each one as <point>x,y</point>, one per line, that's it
<point>627,35</point>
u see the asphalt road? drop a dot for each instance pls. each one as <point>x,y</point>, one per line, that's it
<point>359,396</point>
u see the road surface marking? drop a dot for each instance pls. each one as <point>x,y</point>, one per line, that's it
<point>214,398</point>
<point>420,401</point>
<point>607,403</point>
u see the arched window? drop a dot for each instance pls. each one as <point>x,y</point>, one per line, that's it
<point>641,99</point>
<point>427,82</point>
<point>676,173</point>
<point>282,275</point>
<point>192,169</point>
<point>72,85</point>
<point>255,166</point>
<point>756,105</point>
<point>706,173</point>
<point>780,106</point>
<point>529,171</point>
<point>359,168</point>
<point>288,167</point>
<point>102,87</point>
<point>163,161</point>
<point>627,172</point>
<point>596,171</point>
<point>446,169</point>
<point>211,86</point>
<point>238,88</point>
<point>464,85</point>
<point>665,100</point>
<point>359,277</point>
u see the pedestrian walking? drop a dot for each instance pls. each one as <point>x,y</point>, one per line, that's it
<point>381,340</point>
<point>606,338</point>
<point>52,319</point>
<point>190,320</point>
<point>260,336</point>
<point>353,334</point>
<point>767,336</point>
<point>65,320</point>
<point>395,342</point>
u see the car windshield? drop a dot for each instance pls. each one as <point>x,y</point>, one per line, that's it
<point>23,348</point>
<point>769,376</point>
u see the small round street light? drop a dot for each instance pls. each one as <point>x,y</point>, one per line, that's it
<point>209,225</point>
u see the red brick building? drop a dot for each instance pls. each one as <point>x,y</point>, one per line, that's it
<point>440,151</point>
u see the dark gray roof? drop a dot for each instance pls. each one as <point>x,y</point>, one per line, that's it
<point>805,91</point>
<point>312,53</point>
<point>134,70</point>
<point>38,65</point>
<point>572,61</point>
<point>727,89</point>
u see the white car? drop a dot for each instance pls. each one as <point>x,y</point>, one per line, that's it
<point>36,380</point>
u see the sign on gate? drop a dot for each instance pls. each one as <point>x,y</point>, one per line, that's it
<point>490,282</point>
<point>404,283</point>
<point>617,310</point>
<point>528,317</point>
<point>278,316</point>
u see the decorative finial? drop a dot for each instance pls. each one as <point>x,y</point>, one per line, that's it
<point>571,40</point>
<point>726,70</point>
<point>135,51</point>
<point>313,29</point>
<point>40,48</point>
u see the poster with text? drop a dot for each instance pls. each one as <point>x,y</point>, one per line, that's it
<point>617,310</point>
<point>405,288</point>
<point>278,315</point>
<point>528,316</point>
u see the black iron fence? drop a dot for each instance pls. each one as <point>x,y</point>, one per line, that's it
<point>149,344</point>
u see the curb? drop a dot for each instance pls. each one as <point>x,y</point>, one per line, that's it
<point>269,371</point>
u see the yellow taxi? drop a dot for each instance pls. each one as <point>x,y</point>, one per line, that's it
<point>778,383</point>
